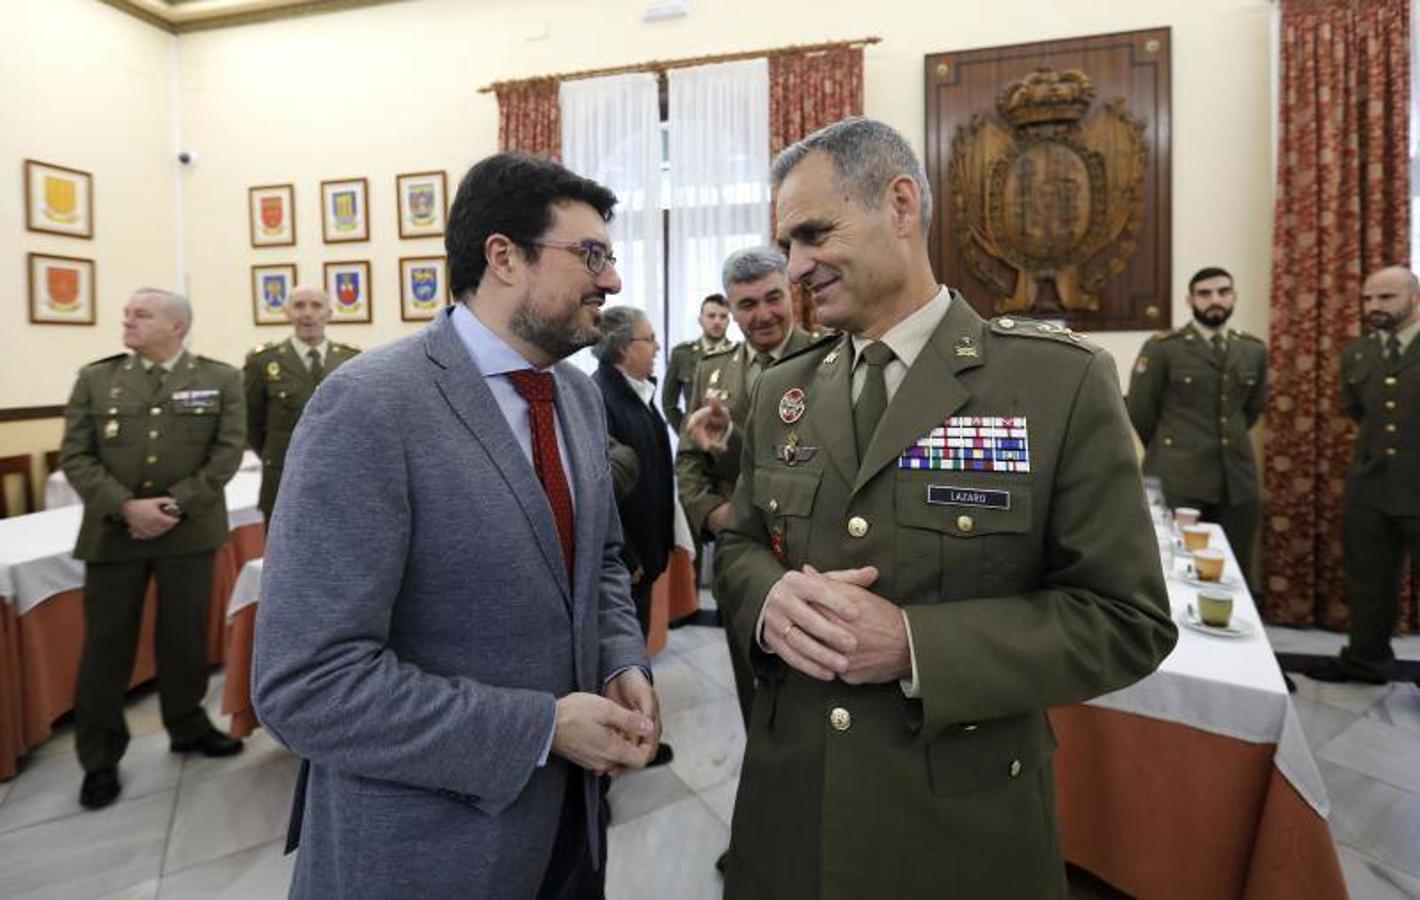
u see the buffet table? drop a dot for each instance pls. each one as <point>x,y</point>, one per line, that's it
<point>42,613</point>
<point>1197,781</point>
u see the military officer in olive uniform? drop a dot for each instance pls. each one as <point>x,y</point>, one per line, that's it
<point>757,286</point>
<point>280,377</point>
<point>1193,396</point>
<point>938,534</point>
<point>685,356</point>
<point>1380,390</point>
<point>150,440</point>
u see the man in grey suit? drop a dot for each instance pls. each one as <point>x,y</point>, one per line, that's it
<point>447,633</point>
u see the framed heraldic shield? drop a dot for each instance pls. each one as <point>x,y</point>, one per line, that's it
<point>423,287</point>
<point>61,290</point>
<point>421,203</point>
<point>1049,166</point>
<point>270,288</point>
<point>344,210</point>
<point>58,200</point>
<point>271,209</point>
<point>348,284</point>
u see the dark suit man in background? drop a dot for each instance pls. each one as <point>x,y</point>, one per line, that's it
<point>1194,394</point>
<point>280,377</point>
<point>627,357</point>
<point>1380,390</point>
<point>151,439</point>
<point>938,534</point>
<point>676,398</point>
<point>446,631</point>
<point>757,286</point>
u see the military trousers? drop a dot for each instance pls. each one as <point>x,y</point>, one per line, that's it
<point>113,612</point>
<point>1376,545</point>
<point>1239,523</point>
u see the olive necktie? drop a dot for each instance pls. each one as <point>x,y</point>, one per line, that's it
<point>317,370</point>
<point>761,362</point>
<point>156,374</point>
<point>873,399</point>
<point>1220,349</point>
<point>1392,352</point>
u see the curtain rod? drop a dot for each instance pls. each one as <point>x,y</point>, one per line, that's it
<point>659,66</point>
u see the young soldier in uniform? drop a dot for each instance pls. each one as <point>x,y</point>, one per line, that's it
<point>150,440</point>
<point>938,534</point>
<point>1193,396</point>
<point>1380,390</point>
<point>685,356</point>
<point>280,377</point>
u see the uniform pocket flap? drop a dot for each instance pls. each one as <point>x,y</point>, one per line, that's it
<point>965,507</point>
<point>974,756</point>
<point>786,493</point>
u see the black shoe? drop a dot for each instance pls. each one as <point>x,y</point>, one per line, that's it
<point>212,743</point>
<point>722,862</point>
<point>100,788</point>
<point>1332,672</point>
<point>664,754</point>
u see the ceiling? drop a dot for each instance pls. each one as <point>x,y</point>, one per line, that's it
<point>179,16</point>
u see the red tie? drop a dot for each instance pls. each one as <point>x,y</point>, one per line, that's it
<point>540,390</point>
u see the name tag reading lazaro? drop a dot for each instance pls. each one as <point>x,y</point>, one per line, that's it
<point>946,495</point>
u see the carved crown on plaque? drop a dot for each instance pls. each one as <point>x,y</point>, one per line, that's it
<point>1045,192</point>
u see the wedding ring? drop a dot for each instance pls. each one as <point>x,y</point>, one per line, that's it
<point>788,628</point>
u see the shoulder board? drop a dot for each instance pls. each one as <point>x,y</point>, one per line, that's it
<point>1171,335</point>
<point>263,347</point>
<point>107,359</point>
<point>711,354</point>
<point>690,343</point>
<point>821,343</point>
<point>1012,326</point>
<point>348,348</point>
<point>1250,337</point>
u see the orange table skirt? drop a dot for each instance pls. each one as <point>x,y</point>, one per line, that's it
<point>39,652</point>
<point>1162,810</point>
<point>673,596</point>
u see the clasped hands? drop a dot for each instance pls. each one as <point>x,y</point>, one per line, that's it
<point>829,625</point>
<point>146,519</point>
<point>612,733</point>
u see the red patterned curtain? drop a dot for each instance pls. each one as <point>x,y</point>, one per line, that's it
<point>810,90</point>
<point>1343,209</point>
<point>530,118</point>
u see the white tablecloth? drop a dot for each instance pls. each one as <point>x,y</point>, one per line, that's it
<point>36,550</point>
<point>1226,685</point>
<point>247,590</point>
<point>58,492</point>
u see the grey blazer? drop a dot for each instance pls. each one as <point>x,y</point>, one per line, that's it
<point>417,625</point>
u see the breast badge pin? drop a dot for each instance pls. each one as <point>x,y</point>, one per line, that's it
<point>273,370</point>
<point>791,406</point>
<point>965,347</point>
<point>111,429</point>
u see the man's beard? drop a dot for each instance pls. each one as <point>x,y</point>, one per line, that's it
<point>1384,321</point>
<point>1213,316</point>
<point>558,338</point>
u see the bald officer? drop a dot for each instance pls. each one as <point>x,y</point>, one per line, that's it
<point>151,438</point>
<point>685,357</point>
<point>939,533</point>
<point>1380,390</point>
<point>1193,396</point>
<point>281,376</point>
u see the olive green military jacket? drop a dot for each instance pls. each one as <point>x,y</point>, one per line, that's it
<point>1193,411</point>
<point>278,384</point>
<point>707,479</point>
<point>1023,590</point>
<point>680,377</point>
<point>1385,464</point>
<point>123,440</point>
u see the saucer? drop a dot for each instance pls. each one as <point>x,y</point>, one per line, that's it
<point>1226,583</point>
<point>1236,627</point>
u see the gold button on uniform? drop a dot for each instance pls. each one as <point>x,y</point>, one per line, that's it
<point>1390,404</point>
<point>153,435</point>
<point>1225,442</point>
<point>1390,427</point>
<point>152,459</point>
<point>965,524</point>
<point>840,719</point>
<point>1015,767</point>
<point>1168,442</point>
<point>1390,451</point>
<point>773,505</point>
<point>147,484</point>
<point>155,411</point>
<point>1390,381</point>
<point>857,526</point>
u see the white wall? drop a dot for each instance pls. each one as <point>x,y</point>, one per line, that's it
<point>83,86</point>
<point>393,88</point>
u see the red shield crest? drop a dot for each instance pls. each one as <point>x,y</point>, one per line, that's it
<point>63,285</point>
<point>272,212</point>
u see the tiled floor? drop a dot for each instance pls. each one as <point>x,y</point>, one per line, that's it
<point>213,828</point>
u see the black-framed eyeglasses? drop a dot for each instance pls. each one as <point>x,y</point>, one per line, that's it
<point>595,254</point>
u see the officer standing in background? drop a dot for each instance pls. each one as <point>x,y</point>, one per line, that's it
<point>150,440</point>
<point>1193,396</point>
<point>1380,390</point>
<point>685,356</point>
<point>280,377</point>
